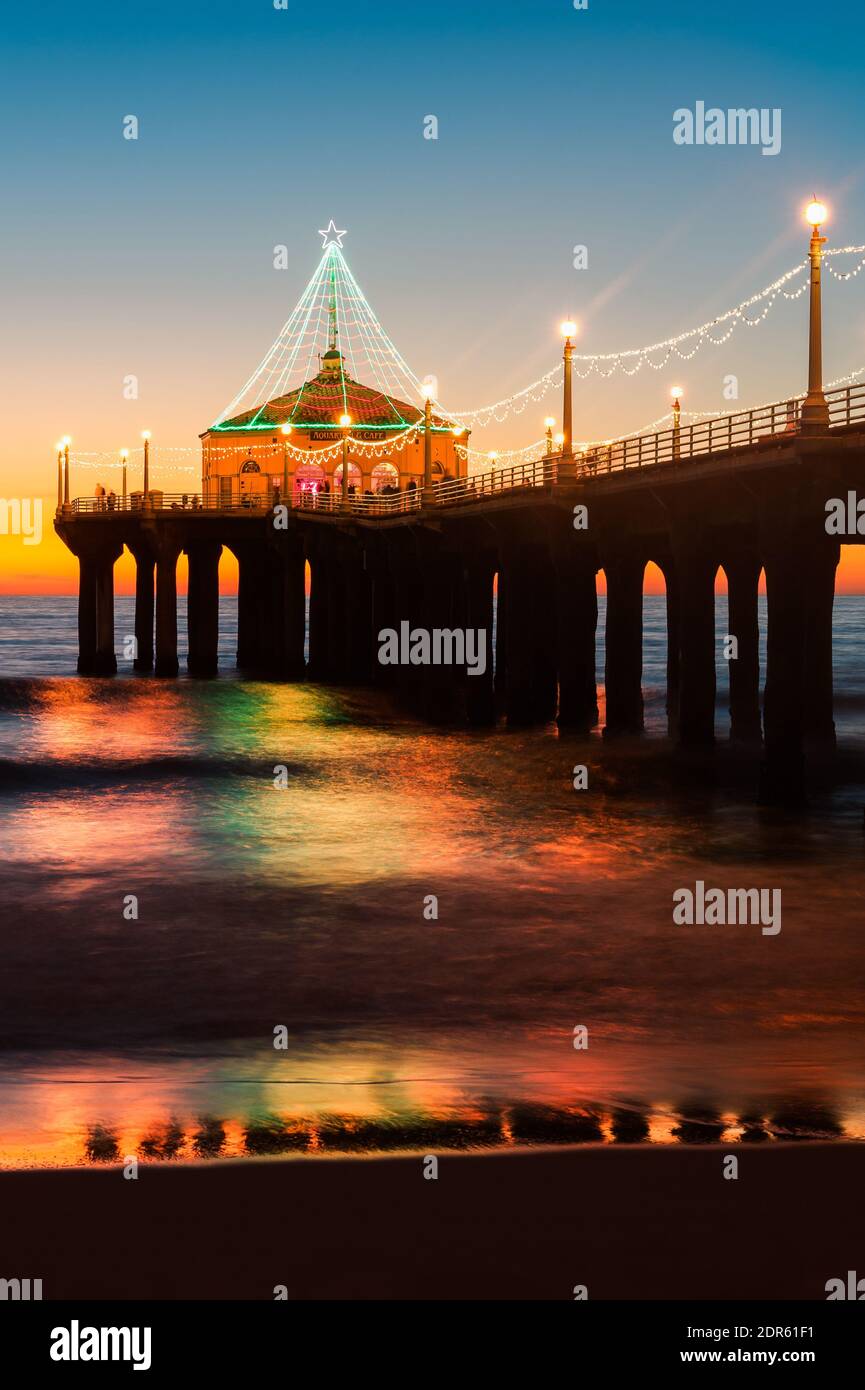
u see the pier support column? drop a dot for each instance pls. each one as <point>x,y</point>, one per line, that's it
<point>531,637</point>
<point>96,655</point>
<point>696,643</point>
<point>202,608</point>
<point>671,586</point>
<point>252,607</point>
<point>409,594</point>
<point>500,678</point>
<point>362,647</point>
<point>576,630</point>
<point>343,614</point>
<point>292,611</point>
<point>384,618</point>
<point>782,776</point>
<point>478,610</point>
<point>318,606</point>
<point>743,574</point>
<point>819,725</point>
<point>87,632</point>
<point>106,658</point>
<point>339,599</point>
<point>166,612</point>
<point>624,645</point>
<point>144,567</point>
<point>441,687</point>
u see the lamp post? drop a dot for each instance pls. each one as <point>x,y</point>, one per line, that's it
<point>124,455</point>
<point>59,474</point>
<point>548,426</point>
<point>286,431</point>
<point>569,331</point>
<point>66,442</point>
<point>815,410</point>
<point>145,435</point>
<point>549,423</point>
<point>458,431</point>
<point>345,421</point>
<point>427,496</point>
<point>677,393</point>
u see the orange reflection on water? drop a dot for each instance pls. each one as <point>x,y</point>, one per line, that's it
<point>78,1111</point>
<point>94,721</point>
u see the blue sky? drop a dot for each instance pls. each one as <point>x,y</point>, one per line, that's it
<point>154,257</point>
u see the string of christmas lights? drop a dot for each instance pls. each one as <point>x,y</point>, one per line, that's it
<point>332,309</point>
<point>845,251</point>
<point>670,347</point>
<point>531,450</point>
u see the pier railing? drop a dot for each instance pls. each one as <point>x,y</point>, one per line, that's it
<point>676,446</point>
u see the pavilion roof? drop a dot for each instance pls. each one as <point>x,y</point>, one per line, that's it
<point>319,403</point>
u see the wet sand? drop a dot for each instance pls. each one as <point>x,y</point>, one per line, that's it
<point>629,1222</point>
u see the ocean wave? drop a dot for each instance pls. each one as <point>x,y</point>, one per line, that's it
<point>39,775</point>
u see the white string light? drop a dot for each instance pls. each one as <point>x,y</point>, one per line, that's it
<point>670,347</point>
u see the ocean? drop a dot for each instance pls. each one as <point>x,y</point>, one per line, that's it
<point>245,919</point>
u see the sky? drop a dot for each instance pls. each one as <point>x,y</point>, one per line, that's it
<point>154,258</point>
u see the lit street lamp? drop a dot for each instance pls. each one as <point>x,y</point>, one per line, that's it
<point>145,435</point>
<point>549,422</point>
<point>59,474</point>
<point>458,431</point>
<point>815,410</point>
<point>427,496</point>
<point>286,431</point>
<point>66,442</point>
<point>345,421</point>
<point>124,455</point>
<point>568,331</point>
<point>677,393</point>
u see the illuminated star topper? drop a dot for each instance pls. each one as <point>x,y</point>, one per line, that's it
<point>332,237</point>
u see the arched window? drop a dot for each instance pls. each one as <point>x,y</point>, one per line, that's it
<point>249,466</point>
<point>354,475</point>
<point>308,477</point>
<point>384,475</point>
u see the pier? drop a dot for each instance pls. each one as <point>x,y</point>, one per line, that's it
<point>745,493</point>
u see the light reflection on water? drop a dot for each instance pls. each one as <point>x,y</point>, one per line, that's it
<point>303,908</point>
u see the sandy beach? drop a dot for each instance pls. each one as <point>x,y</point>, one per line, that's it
<point>629,1222</point>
